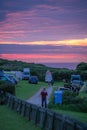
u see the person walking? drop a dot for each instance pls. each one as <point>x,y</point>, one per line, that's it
<point>44,97</point>
<point>49,78</point>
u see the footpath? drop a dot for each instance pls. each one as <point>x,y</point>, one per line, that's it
<point>36,99</point>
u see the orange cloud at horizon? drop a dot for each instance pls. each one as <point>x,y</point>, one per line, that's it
<point>70,42</point>
<point>43,58</point>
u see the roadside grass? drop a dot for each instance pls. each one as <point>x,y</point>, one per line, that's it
<point>11,120</point>
<point>25,90</point>
<point>57,85</point>
<point>83,94</point>
<point>83,91</point>
<point>75,115</point>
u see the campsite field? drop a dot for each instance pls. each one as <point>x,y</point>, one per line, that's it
<point>11,120</point>
<point>25,90</point>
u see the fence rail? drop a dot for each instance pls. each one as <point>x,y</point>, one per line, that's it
<point>44,118</point>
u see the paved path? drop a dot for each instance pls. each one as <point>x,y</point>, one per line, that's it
<point>36,99</point>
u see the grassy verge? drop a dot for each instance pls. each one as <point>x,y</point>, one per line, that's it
<point>24,90</point>
<point>73,114</point>
<point>10,120</point>
<point>76,115</point>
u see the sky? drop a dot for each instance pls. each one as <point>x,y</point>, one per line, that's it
<point>41,31</point>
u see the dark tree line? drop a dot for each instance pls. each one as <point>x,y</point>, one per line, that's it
<point>38,69</point>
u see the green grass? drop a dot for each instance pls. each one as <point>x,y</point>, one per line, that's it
<point>11,120</point>
<point>57,85</point>
<point>24,90</point>
<point>76,115</point>
<point>83,92</point>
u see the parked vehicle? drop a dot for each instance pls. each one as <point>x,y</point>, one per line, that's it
<point>5,78</point>
<point>26,73</point>
<point>76,83</point>
<point>1,73</point>
<point>11,77</point>
<point>33,79</point>
<point>63,89</point>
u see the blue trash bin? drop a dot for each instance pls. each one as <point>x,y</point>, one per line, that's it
<point>58,97</point>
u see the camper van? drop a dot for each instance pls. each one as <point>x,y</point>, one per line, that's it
<point>26,73</point>
<point>76,82</point>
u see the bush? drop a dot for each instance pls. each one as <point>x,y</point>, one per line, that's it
<point>70,102</point>
<point>2,98</point>
<point>69,97</point>
<point>66,85</point>
<point>80,107</point>
<point>7,87</point>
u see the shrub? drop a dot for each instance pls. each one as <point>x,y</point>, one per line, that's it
<point>69,97</point>
<point>70,102</point>
<point>2,98</point>
<point>66,85</point>
<point>7,87</point>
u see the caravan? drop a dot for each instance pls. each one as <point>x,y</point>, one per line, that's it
<point>26,73</point>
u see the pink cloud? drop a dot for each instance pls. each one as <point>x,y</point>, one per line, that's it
<point>33,26</point>
<point>40,58</point>
<point>16,29</point>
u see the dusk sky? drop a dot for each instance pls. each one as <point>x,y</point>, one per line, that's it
<point>43,31</point>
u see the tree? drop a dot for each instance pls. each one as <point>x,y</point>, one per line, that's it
<point>81,66</point>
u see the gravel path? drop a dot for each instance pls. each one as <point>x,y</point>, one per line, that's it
<point>36,99</point>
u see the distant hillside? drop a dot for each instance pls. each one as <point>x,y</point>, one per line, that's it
<point>35,69</point>
<point>40,70</point>
<point>19,65</point>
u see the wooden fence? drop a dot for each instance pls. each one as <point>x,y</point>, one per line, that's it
<point>44,118</point>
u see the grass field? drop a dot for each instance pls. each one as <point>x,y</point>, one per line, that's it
<point>76,115</point>
<point>11,120</point>
<point>24,90</point>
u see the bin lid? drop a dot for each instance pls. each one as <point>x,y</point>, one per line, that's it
<point>58,91</point>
